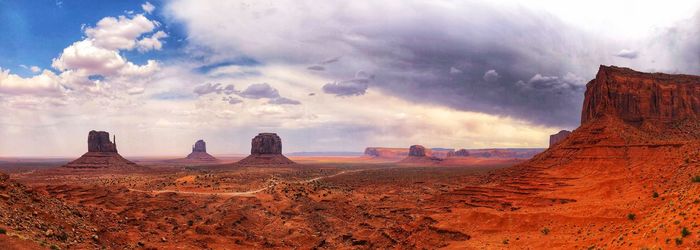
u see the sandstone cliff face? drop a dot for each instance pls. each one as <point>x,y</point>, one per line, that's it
<point>266,143</point>
<point>556,138</point>
<point>199,146</point>
<point>98,141</point>
<point>416,150</point>
<point>637,98</point>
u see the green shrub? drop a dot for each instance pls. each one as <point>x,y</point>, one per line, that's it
<point>695,178</point>
<point>3,231</point>
<point>685,232</point>
<point>631,216</point>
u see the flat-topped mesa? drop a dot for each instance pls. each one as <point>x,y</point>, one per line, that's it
<point>637,98</point>
<point>556,138</point>
<point>266,149</point>
<point>102,154</point>
<point>98,141</point>
<point>416,151</point>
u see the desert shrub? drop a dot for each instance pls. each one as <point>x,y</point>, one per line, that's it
<point>631,216</point>
<point>685,232</point>
<point>545,231</point>
<point>695,178</point>
<point>679,241</point>
<point>655,195</point>
<point>54,247</point>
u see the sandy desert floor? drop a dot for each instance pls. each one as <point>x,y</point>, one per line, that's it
<point>339,202</point>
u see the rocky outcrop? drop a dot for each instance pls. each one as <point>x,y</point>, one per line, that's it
<point>641,98</point>
<point>199,152</point>
<point>266,149</point>
<point>102,154</point>
<point>98,141</point>
<point>556,138</point>
<point>416,151</point>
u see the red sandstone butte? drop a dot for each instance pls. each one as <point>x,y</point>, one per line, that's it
<point>199,152</point>
<point>266,149</point>
<point>102,153</point>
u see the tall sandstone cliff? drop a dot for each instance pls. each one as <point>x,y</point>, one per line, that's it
<point>638,98</point>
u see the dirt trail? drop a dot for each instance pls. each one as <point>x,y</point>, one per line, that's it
<point>272,183</point>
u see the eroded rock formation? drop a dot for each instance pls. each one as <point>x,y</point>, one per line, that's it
<point>102,153</point>
<point>266,149</point>
<point>637,98</point>
<point>556,138</point>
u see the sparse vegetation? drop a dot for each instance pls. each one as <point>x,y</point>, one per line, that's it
<point>545,231</point>
<point>695,178</point>
<point>685,232</point>
<point>631,216</point>
<point>655,195</point>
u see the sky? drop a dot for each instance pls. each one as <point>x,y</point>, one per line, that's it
<point>324,75</point>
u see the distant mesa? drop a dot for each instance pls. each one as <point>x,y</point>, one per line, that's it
<point>102,153</point>
<point>556,138</point>
<point>381,152</point>
<point>199,152</point>
<point>266,149</point>
<point>459,153</point>
<point>440,152</point>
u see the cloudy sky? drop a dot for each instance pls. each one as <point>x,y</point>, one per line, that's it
<point>325,75</point>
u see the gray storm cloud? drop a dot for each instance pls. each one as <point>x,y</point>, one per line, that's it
<point>467,55</point>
